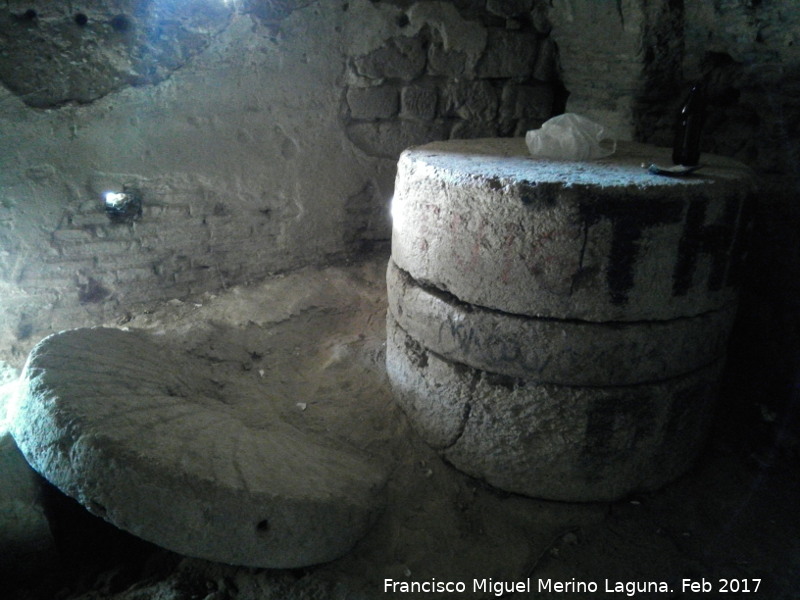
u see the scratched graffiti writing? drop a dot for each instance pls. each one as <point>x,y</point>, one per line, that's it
<point>491,348</point>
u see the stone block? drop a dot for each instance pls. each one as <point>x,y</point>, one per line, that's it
<point>129,275</point>
<point>545,67</point>
<point>469,100</point>
<point>73,235</point>
<point>526,106</point>
<point>509,8</point>
<point>97,249</point>
<point>420,101</point>
<point>447,63</point>
<point>387,139</point>
<point>379,102</point>
<point>508,54</point>
<point>97,218</point>
<point>400,58</point>
<point>463,130</point>
<point>540,18</point>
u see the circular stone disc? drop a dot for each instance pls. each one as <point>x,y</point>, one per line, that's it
<point>598,241</point>
<point>554,350</point>
<point>139,435</point>
<point>550,441</point>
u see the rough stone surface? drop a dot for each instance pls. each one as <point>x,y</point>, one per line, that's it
<point>631,64</point>
<point>550,441</point>
<point>525,107</point>
<point>419,101</point>
<point>509,54</point>
<point>140,435</point>
<point>470,100</point>
<point>552,350</point>
<point>604,78</point>
<point>509,8</point>
<point>389,138</point>
<point>546,66</point>
<point>379,102</point>
<point>401,58</point>
<point>596,241</point>
<point>450,63</point>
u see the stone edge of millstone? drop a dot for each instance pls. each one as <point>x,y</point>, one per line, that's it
<point>627,167</point>
<point>564,352</point>
<point>205,520</point>
<point>441,259</point>
<point>473,419</point>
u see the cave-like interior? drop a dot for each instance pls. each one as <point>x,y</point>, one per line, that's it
<point>220,173</point>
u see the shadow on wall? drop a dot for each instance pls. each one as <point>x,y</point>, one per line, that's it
<point>748,54</point>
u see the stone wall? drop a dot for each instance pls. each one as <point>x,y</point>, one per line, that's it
<point>262,135</point>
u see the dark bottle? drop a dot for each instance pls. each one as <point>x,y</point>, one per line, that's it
<point>686,149</point>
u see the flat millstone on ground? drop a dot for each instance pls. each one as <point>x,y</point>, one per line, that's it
<point>138,433</point>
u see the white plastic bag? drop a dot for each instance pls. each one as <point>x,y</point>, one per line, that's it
<point>570,137</point>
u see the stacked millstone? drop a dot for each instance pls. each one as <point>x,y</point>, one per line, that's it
<point>558,328</point>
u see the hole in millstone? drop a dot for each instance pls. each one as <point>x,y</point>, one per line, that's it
<point>97,508</point>
<point>403,21</point>
<point>81,19</point>
<point>30,14</point>
<point>262,527</point>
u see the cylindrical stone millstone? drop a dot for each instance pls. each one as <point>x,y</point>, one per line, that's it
<point>566,352</point>
<point>551,441</point>
<point>597,241</point>
<point>136,433</point>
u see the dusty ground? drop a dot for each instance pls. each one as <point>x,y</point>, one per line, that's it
<point>312,343</point>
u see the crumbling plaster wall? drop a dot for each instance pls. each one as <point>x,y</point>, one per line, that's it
<point>263,134</point>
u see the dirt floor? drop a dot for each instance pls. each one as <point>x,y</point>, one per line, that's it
<point>311,343</point>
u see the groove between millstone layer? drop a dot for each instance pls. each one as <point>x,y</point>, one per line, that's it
<point>520,381</point>
<point>447,296</point>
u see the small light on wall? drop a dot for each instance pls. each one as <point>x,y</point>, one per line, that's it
<point>124,206</point>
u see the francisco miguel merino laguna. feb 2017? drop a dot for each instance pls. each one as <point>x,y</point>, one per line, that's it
<point>499,588</point>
